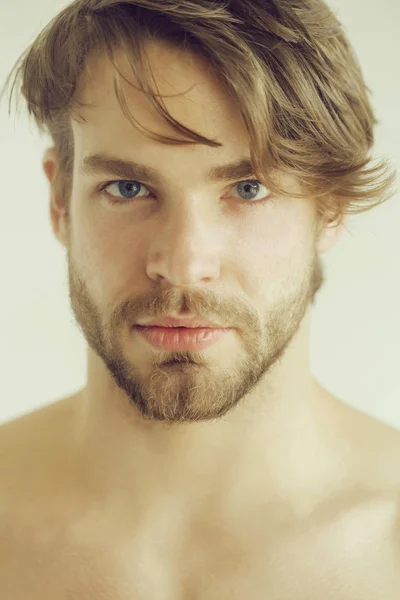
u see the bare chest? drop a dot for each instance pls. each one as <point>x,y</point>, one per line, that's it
<point>346,560</point>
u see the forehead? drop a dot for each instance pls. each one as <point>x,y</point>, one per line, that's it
<point>190,91</point>
<point>194,97</point>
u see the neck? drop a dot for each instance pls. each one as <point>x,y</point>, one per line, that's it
<point>274,442</point>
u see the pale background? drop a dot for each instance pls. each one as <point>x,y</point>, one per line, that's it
<point>355,333</point>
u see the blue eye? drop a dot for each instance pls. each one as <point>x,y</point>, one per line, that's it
<point>126,188</point>
<point>249,188</point>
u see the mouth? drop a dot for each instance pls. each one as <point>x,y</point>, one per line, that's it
<point>169,327</point>
<point>180,338</point>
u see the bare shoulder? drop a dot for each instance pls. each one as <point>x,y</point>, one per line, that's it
<point>36,486</point>
<point>28,447</point>
<point>374,446</point>
<point>24,433</point>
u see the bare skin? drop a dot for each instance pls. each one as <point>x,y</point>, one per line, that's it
<point>228,473</point>
<point>58,541</point>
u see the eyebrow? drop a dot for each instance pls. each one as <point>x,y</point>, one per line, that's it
<point>113,165</point>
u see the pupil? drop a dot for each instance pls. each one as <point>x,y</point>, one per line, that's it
<point>249,188</point>
<point>127,188</point>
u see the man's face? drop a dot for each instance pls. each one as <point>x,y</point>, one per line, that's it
<point>185,242</point>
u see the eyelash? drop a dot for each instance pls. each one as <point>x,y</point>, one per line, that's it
<point>121,201</point>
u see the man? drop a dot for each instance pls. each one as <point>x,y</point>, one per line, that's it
<point>202,459</point>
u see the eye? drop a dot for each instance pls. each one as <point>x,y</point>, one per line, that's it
<point>126,188</point>
<point>250,189</point>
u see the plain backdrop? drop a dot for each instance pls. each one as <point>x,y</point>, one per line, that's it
<point>355,329</point>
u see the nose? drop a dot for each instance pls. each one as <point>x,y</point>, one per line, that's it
<point>186,249</point>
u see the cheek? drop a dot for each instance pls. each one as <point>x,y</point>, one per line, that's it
<point>105,252</point>
<point>272,258</point>
<point>271,245</point>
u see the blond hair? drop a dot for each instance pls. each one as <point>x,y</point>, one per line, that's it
<point>287,64</point>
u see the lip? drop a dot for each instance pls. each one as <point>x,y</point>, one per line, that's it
<point>192,323</point>
<point>181,338</point>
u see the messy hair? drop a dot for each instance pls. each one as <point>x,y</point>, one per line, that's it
<point>286,63</point>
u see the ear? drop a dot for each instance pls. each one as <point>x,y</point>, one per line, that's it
<point>330,232</point>
<point>58,209</point>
